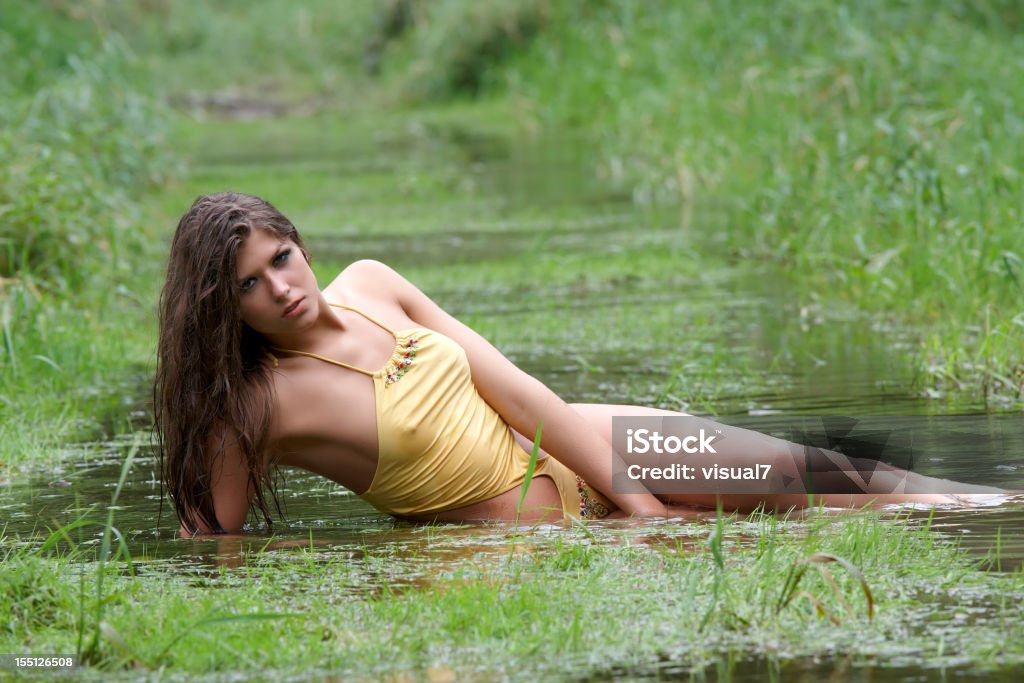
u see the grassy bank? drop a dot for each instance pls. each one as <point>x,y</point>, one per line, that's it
<point>599,601</point>
<point>870,148</point>
<point>82,139</point>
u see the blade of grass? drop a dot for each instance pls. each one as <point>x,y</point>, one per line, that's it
<point>530,468</point>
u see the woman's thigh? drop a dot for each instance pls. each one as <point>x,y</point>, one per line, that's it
<point>600,415</point>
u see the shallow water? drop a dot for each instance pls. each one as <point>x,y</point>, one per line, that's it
<point>813,670</point>
<point>711,335</point>
<point>335,523</point>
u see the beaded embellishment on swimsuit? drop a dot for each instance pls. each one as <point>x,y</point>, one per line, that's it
<point>590,506</point>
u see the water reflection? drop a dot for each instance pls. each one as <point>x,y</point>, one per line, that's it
<point>327,525</point>
<point>838,667</point>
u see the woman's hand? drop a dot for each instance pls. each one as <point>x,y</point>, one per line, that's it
<point>643,512</point>
<point>642,506</point>
<point>670,512</point>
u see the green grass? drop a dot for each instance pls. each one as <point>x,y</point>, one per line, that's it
<point>271,50</point>
<point>82,138</point>
<point>869,150</point>
<point>600,599</point>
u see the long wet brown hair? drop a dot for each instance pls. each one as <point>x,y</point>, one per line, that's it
<point>212,380</point>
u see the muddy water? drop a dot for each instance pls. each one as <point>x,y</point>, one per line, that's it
<point>713,336</point>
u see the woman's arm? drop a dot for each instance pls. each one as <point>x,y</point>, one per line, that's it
<point>230,488</point>
<point>521,400</point>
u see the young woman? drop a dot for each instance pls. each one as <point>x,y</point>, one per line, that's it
<point>368,383</point>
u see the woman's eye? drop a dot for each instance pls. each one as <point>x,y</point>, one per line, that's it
<point>282,257</point>
<point>248,284</point>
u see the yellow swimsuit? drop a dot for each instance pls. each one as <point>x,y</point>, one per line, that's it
<point>441,446</point>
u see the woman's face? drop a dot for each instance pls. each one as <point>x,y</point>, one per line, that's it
<point>277,289</point>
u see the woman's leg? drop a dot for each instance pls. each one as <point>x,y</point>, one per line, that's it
<point>746,447</point>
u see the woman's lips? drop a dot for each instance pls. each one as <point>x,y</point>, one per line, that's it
<point>295,309</point>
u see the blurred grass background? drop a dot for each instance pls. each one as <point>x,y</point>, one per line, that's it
<point>872,149</point>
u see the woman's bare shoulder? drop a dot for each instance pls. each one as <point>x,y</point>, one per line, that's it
<point>363,277</point>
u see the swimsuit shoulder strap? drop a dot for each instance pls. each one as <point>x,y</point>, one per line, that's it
<point>365,315</point>
<point>318,357</point>
<point>331,360</point>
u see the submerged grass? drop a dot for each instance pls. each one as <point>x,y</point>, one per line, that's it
<point>601,599</point>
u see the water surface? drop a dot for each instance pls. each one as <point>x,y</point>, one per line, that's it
<point>656,314</point>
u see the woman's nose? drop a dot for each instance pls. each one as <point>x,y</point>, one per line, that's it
<point>279,287</point>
